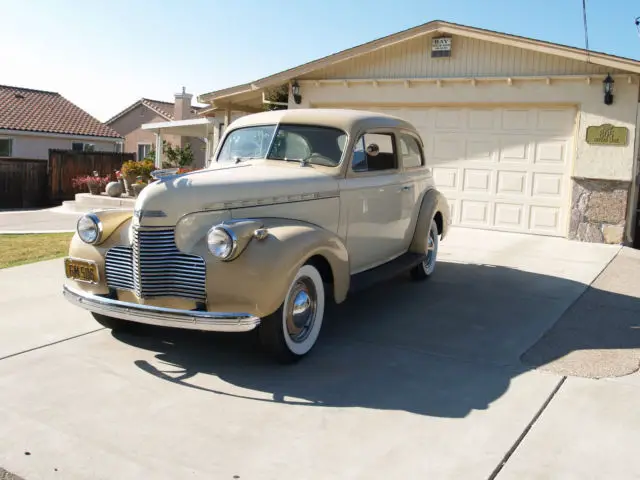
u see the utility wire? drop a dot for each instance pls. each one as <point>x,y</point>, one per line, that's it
<point>586,32</point>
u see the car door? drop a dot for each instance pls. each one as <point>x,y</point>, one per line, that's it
<point>373,192</point>
<point>411,155</point>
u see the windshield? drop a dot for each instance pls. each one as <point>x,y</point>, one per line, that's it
<point>317,145</point>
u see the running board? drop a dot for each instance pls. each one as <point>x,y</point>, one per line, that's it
<point>402,264</point>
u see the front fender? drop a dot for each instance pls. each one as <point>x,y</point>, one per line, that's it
<point>433,202</point>
<point>258,279</point>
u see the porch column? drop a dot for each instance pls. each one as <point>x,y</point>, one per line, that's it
<point>158,150</point>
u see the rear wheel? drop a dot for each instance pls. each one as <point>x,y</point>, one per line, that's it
<point>426,268</point>
<point>115,324</point>
<point>290,332</point>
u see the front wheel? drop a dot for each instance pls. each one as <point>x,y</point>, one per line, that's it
<point>425,269</point>
<point>290,332</point>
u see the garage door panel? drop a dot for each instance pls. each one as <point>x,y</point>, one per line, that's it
<point>477,181</point>
<point>479,148</point>
<point>509,215</point>
<point>551,152</point>
<point>518,119</point>
<point>547,185</point>
<point>544,219</point>
<point>555,120</point>
<point>473,212</point>
<point>512,183</point>
<point>514,150</point>
<point>450,119</point>
<point>445,178</point>
<point>481,119</point>
<point>448,147</point>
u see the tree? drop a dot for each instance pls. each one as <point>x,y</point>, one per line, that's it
<point>176,156</point>
<point>277,94</point>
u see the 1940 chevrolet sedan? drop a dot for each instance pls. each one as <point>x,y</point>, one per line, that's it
<point>297,207</point>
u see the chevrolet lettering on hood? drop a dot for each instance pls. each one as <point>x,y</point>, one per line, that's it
<point>295,207</point>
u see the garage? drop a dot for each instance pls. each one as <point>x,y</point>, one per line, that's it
<point>521,134</point>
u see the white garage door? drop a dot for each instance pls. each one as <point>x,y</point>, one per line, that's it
<point>500,168</point>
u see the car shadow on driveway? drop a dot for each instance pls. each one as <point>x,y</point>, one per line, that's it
<point>442,348</point>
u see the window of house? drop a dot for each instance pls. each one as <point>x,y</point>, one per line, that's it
<point>89,147</point>
<point>77,146</point>
<point>373,152</point>
<point>6,147</point>
<point>410,151</point>
<point>118,148</point>
<point>143,150</point>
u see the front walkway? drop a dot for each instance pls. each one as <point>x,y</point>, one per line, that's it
<point>53,220</point>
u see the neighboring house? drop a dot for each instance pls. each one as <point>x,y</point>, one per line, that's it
<point>511,125</point>
<point>129,121</point>
<point>34,121</point>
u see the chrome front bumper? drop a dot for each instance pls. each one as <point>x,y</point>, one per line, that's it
<point>165,317</point>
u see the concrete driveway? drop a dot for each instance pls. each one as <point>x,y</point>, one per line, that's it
<point>431,380</point>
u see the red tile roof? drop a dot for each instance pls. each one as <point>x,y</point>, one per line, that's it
<point>40,111</point>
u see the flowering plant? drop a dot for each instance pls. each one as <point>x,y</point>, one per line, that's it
<point>89,180</point>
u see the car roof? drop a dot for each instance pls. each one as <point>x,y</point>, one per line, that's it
<point>344,119</point>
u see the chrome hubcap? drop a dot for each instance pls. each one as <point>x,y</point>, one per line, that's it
<point>429,262</point>
<point>301,309</point>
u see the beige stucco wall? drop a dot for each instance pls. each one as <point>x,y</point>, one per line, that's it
<point>129,125</point>
<point>600,162</point>
<point>36,147</point>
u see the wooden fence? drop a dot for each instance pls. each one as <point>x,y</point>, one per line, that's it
<point>66,164</point>
<point>23,183</point>
<point>28,183</point>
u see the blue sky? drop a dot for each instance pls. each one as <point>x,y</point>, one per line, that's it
<point>105,54</point>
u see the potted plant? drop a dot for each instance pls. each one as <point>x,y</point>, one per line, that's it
<point>138,186</point>
<point>93,183</point>
<point>129,172</point>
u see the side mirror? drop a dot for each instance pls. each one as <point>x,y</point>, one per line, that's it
<point>373,149</point>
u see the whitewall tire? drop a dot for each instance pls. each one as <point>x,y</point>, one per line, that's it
<point>290,332</point>
<point>426,268</point>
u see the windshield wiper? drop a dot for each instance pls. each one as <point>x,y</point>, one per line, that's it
<point>303,161</point>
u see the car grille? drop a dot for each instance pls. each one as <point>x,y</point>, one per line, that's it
<point>154,267</point>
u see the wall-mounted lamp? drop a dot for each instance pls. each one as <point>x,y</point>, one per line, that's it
<point>295,89</point>
<point>607,84</point>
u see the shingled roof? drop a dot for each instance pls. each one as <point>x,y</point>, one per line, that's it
<point>40,111</point>
<point>164,109</point>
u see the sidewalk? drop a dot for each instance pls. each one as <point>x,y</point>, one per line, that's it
<point>52,220</point>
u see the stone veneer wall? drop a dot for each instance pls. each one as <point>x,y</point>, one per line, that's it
<point>598,210</point>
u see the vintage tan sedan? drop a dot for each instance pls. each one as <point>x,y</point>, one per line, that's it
<point>297,208</point>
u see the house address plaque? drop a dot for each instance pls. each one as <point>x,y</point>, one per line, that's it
<point>607,134</point>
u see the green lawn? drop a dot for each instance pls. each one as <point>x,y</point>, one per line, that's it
<point>21,249</point>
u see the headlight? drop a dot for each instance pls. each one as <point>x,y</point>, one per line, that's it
<point>222,242</point>
<point>89,228</point>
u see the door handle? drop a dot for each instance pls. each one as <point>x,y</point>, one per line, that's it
<point>406,188</point>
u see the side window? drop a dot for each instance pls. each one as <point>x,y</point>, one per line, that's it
<point>410,151</point>
<point>374,152</point>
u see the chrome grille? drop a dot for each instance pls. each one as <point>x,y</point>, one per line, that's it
<point>154,267</point>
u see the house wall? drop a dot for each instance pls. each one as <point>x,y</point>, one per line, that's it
<point>469,56</point>
<point>36,147</point>
<point>129,125</point>
<point>601,175</point>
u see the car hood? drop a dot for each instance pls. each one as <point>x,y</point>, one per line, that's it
<point>252,183</point>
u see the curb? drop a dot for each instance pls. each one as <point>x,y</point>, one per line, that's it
<point>33,232</point>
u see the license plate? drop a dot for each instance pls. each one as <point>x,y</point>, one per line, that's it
<point>81,270</point>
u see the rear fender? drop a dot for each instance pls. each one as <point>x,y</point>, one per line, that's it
<point>433,202</point>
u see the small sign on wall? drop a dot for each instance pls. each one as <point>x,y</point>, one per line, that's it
<point>441,47</point>
<point>607,134</point>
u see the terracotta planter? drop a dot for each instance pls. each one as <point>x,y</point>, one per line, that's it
<point>128,183</point>
<point>94,188</point>
<point>137,188</point>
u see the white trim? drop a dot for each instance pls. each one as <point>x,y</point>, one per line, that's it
<point>83,138</point>
<point>175,123</point>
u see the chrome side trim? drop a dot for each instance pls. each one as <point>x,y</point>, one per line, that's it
<point>164,317</point>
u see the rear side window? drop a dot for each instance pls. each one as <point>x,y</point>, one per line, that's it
<point>410,151</point>
<point>373,152</point>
